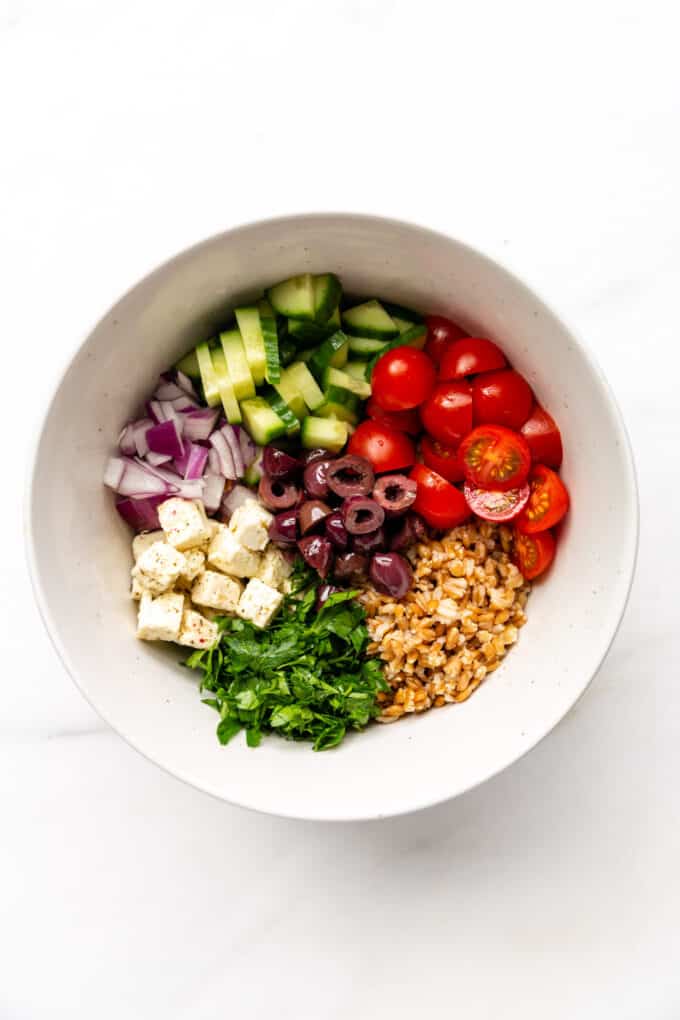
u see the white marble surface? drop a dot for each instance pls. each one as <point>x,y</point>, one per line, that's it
<point>545,134</point>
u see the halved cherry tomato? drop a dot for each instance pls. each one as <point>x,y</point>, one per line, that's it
<point>492,505</point>
<point>533,553</point>
<point>403,378</point>
<point>469,356</point>
<point>493,457</point>
<point>402,421</point>
<point>447,413</point>
<point>384,447</point>
<point>548,502</point>
<point>439,332</point>
<point>543,437</point>
<point>501,398</point>
<point>442,458</point>
<point>437,501</point>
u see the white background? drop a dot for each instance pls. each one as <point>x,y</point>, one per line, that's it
<point>547,135</point>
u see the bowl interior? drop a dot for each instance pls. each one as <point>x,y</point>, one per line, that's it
<point>80,550</point>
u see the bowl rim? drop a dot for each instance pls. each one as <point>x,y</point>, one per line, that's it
<point>631,482</point>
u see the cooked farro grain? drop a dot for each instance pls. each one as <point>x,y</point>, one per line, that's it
<point>460,618</point>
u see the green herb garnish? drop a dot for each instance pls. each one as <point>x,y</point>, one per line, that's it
<point>306,677</point>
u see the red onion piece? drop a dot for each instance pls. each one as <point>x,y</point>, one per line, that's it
<point>165,438</point>
<point>223,451</point>
<point>235,449</point>
<point>126,441</point>
<point>157,459</point>
<point>140,514</point>
<point>168,391</point>
<point>175,486</point>
<point>234,499</point>
<point>213,490</point>
<point>139,431</point>
<point>192,463</point>
<point>185,383</point>
<point>199,424</point>
<point>248,446</point>
<point>113,472</point>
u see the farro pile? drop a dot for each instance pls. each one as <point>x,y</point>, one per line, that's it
<point>454,626</point>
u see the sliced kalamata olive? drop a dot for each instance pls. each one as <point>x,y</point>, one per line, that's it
<point>391,574</point>
<point>309,456</point>
<point>350,567</point>
<point>324,593</point>
<point>360,515</point>
<point>277,494</point>
<point>311,515</point>
<point>315,480</point>
<point>279,464</point>
<point>317,551</point>
<point>411,529</point>
<point>350,476</point>
<point>370,543</point>
<point>395,494</point>
<point>283,529</point>
<point>336,530</point>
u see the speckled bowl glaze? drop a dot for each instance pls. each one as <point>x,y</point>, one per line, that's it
<point>79,549</point>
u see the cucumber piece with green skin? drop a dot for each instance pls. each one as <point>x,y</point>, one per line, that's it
<point>207,374</point>
<point>291,395</point>
<point>248,321</point>
<point>272,371</point>
<point>306,355</point>
<point>332,351</point>
<point>306,385</point>
<point>261,421</point>
<point>400,312</point>
<point>287,351</point>
<point>366,346</point>
<point>402,324</point>
<point>294,298</point>
<point>283,409</point>
<point>327,293</point>
<point>254,471</point>
<point>323,433</point>
<point>225,387</point>
<point>369,320</point>
<point>357,369</point>
<point>341,404</point>
<point>189,365</point>
<point>308,334</point>
<point>237,363</point>
<point>336,377</point>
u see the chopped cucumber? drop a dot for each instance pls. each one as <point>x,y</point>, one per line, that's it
<point>304,382</point>
<point>341,404</point>
<point>287,351</point>
<point>403,325</point>
<point>369,320</point>
<point>332,351</point>
<point>237,363</point>
<point>292,396</point>
<point>271,342</point>
<point>189,365</point>
<point>207,373</point>
<point>261,421</point>
<point>357,369</point>
<point>414,336</point>
<point>335,377</point>
<point>248,321</point>
<point>327,291</point>
<point>254,471</point>
<point>366,346</point>
<point>325,433</point>
<point>283,409</point>
<point>294,298</point>
<point>400,312</point>
<point>226,387</point>
<point>306,355</point>
<point>306,334</point>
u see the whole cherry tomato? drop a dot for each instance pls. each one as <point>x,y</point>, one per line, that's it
<point>403,378</point>
<point>447,413</point>
<point>469,356</point>
<point>440,332</point>
<point>501,398</point>
<point>402,421</point>
<point>384,447</point>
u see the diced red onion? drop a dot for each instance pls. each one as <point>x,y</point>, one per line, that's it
<point>212,492</point>
<point>170,414</point>
<point>174,485</point>
<point>199,424</point>
<point>157,459</point>
<point>223,451</point>
<point>192,463</point>
<point>248,446</point>
<point>155,411</point>
<point>165,438</point>
<point>168,391</point>
<point>239,495</point>
<point>140,514</point>
<point>184,403</point>
<point>186,384</point>
<point>137,480</point>
<point>126,441</point>
<point>139,431</point>
<point>113,472</point>
<point>213,461</point>
<point>234,448</point>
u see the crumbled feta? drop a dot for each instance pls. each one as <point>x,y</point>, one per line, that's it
<point>158,568</point>
<point>159,619</point>
<point>275,568</point>
<point>249,525</point>
<point>137,589</point>
<point>140,543</point>
<point>227,554</point>
<point>259,603</point>
<point>196,631</point>
<point>184,523</point>
<point>217,591</point>
<point>195,564</point>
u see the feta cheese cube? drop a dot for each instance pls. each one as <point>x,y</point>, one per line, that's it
<point>137,589</point>
<point>160,619</point>
<point>228,555</point>
<point>195,564</point>
<point>184,523</point>
<point>158,568</point>
<point>217,591</point>
<point>275,568</point>
<point>249,525</point>
<point>140,543</point>
<point>196,631</point>
<point>259,603</point>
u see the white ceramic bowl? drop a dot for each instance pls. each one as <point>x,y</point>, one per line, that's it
<point>80,550</point>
